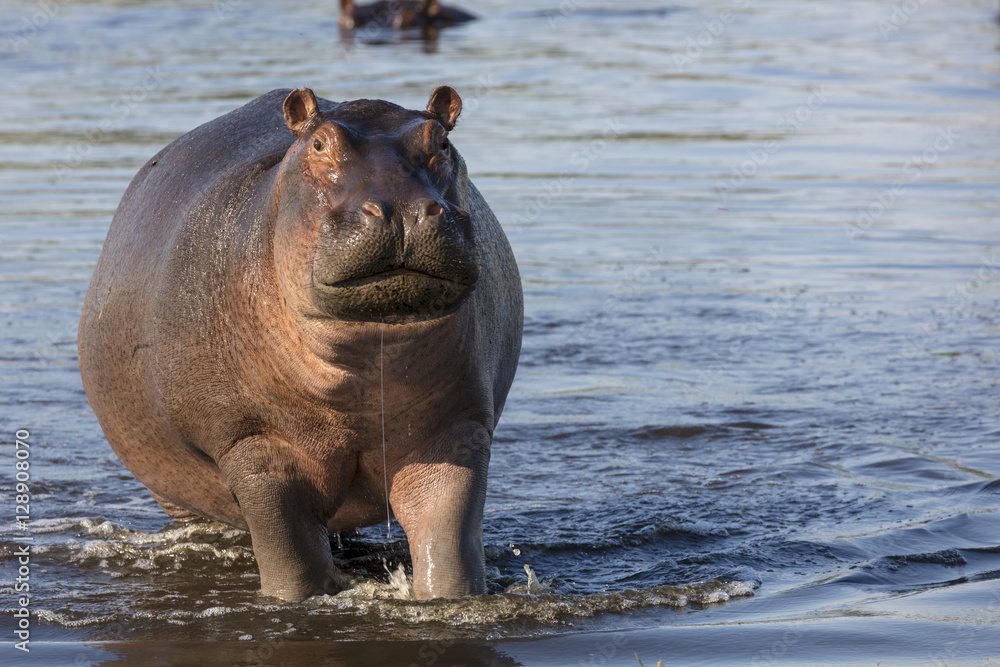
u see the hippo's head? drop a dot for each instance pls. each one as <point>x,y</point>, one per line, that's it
<point>399,14</point>
<point>369,225</point>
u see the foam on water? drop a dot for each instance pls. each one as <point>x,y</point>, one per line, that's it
<point>531,601</point>
<point>170,549</point>
<point>523,608</point>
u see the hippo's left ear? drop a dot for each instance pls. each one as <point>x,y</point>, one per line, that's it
<point>300,110</point>
<point>444,106</point>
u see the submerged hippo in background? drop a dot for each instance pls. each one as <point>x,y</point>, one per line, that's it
<point>401,14</point>
<point>231,342</point>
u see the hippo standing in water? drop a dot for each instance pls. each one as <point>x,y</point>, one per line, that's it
<point>304,313</point>
<point>401,14</point>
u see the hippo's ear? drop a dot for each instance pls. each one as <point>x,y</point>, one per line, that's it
<point>444,106</point>
<point>300,109</point>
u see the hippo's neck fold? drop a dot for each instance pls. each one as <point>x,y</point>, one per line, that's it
<point>345,353</point>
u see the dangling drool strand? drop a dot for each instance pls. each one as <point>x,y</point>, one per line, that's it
<point>385,470</point>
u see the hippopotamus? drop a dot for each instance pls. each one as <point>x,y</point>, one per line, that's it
<point>401,14</point>
<point>306,318</point>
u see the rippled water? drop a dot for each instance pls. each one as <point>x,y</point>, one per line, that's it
<point>755,419</point>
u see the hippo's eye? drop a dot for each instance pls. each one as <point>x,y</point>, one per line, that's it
<point>445,145</point>
<point>317,144</point>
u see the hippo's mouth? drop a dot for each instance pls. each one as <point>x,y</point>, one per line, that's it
<point>403,274</point>
<point>394,296</point>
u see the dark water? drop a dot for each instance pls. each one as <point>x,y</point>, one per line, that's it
<point>755,419</point>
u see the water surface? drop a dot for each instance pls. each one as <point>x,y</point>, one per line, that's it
<point>755,418</point>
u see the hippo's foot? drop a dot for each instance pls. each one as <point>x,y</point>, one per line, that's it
<point>175,512</point>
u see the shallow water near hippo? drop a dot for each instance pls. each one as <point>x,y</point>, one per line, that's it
<point>755,418</point>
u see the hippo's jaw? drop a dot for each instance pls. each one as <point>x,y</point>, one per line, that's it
<point>395,296</point>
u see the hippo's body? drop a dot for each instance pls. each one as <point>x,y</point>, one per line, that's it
<point>270,281</point>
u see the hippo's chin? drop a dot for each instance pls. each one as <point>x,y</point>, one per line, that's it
<point>394,297</point>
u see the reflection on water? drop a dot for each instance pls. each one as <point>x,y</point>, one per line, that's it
<point>759,381</point>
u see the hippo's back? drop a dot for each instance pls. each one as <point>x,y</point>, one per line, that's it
<point>215,156</point>
<point>175,192</point>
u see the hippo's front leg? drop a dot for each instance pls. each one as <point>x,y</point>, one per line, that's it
<point>438,495</point>
<point>285,507</point>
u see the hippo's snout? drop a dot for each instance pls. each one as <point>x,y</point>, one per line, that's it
<point>397,263</point>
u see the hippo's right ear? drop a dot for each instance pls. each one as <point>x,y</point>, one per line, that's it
<point>444,106</point>
<point>300,110</point>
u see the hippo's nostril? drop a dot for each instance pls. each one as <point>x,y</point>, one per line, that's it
<point>372,208</point>
<point>432,209</point>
